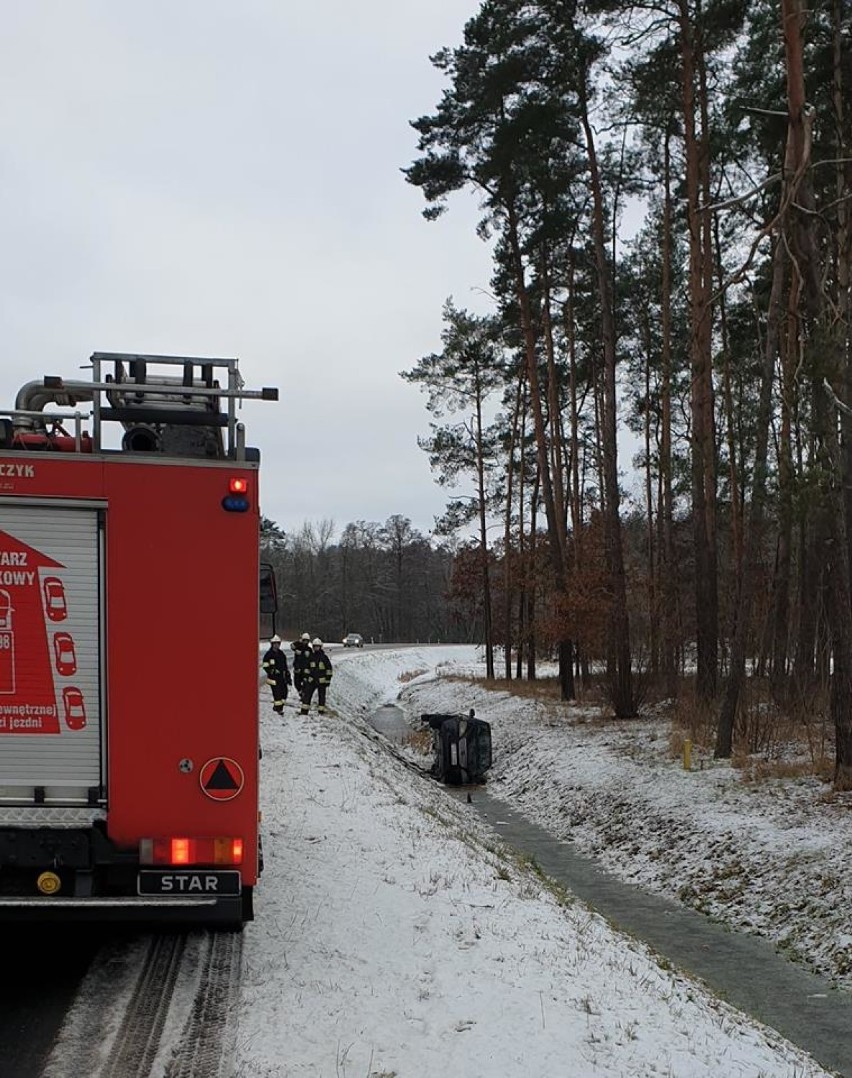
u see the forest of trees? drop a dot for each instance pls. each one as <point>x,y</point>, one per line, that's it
<point>719,332</point>
<point>385,581</point>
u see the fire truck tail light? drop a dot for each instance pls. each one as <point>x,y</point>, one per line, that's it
<point>236,500</point>
<point>191,851</point>
<point>179,854</point>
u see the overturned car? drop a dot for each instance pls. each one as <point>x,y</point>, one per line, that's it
<point>462,747</point>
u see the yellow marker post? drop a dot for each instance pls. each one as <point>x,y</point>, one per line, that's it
<point>687,755</point>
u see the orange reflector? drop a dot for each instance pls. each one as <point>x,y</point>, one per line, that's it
<point>237,486</point>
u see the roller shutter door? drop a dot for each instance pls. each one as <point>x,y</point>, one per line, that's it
<point>50,661</point>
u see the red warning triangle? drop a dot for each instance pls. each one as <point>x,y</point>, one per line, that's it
<point>221,778</point>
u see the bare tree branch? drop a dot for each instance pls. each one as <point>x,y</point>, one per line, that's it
<point>838,403</point>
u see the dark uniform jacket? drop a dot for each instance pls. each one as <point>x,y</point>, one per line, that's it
<point>275,665</point>
<point>301,658</point>
<point>319,668</point>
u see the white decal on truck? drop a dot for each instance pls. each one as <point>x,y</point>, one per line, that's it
<point>18,471</point>
<point>28,657</point>
<point>13,557</point>
<point>7,576</point>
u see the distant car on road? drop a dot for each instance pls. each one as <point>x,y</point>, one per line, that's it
<point>353,640</point>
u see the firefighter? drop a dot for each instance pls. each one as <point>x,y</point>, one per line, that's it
<point>277,673</point>
<point>317,678</point>
<point>301,657</point>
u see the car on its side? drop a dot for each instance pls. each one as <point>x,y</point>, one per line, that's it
<point>353,640</point>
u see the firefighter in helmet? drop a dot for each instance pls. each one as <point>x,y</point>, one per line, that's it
<point>301,657</point>
<point>277,673</point>
<point>317,678</point>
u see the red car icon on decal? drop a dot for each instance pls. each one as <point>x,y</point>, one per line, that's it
<point>65,658</point>
<point>75,708</point>
<point>54,598</point>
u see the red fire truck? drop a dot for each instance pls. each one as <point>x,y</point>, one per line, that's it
<point>129,583</point>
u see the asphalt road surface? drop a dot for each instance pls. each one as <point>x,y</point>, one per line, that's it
<point>43,966</point>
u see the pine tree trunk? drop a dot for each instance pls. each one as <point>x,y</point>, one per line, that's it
<point>784,556</point>
<point>532,586</point>
<point>811,540</point>
<point>483,546</point>
<point>705,328</point>
<point>514,438</point>
<point>826,350</point>
<point>667,558</point>
<point>620,673</point>
<point>651,577</point>
<point>701,399</point>
<point>748,569</point>
<point>524,573</point>
<point>555,522</point>
<point>842,290</point>
<point>842,334</point>
<point>554,410</point>
<point>731,419</point>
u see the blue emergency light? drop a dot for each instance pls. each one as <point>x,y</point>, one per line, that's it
<point>236,501</point>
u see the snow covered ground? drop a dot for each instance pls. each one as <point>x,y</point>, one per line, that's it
<point>396,936</point>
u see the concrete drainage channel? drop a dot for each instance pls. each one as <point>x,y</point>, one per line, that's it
<point>745,971</point>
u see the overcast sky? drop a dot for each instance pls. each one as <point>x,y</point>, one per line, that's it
<point>220,179</point>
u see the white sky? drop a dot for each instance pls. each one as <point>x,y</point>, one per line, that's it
<point>218,179</point>
<point>395,937</point>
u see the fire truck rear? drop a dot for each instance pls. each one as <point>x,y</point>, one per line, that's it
<point>128,645</point>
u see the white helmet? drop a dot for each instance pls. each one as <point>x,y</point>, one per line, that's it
<point>275,639</point>
<point>306,636</point>
<point>317,642</point>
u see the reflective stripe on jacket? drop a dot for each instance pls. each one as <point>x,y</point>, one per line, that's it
<point>275,665</point>
<point>319,668</point>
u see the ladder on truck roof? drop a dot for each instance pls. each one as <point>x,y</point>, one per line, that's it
<point>179,414</point>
